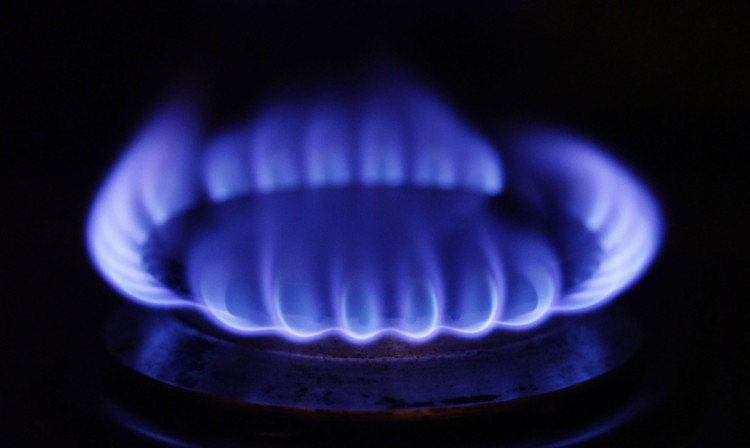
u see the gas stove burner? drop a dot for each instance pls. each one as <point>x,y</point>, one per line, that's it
<point>365,252</point>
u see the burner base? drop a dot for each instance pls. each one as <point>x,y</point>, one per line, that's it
<point>387,380</point>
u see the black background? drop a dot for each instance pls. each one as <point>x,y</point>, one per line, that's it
<point>666,85</point>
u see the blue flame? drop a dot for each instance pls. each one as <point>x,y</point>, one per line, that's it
<point>378,213</point>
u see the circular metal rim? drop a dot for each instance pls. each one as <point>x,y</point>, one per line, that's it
<point>617,333</point>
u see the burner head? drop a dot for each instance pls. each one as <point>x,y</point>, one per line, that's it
<point>364,255</point>
<point>368,212</point>
<point>389,379</point>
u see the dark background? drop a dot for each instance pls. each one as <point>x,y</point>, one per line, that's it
<point>666,85</point>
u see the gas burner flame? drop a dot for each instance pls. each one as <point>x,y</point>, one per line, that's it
<point>365,215</point>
